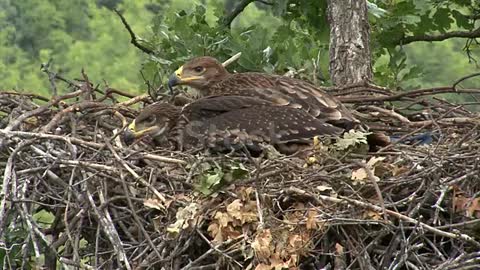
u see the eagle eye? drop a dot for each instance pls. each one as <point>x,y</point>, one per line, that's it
<point>198,69</point>
<point>151,119</point>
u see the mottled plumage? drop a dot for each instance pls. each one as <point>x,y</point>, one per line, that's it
<point>207,75</point>
<point>230,122</point>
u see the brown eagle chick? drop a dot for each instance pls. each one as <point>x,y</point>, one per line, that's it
<point>210,78</point>
<point>207,75</point>
<point>224,123</point>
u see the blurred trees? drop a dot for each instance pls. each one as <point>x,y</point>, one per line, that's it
<point>76,35</point>
<point>274,36</point>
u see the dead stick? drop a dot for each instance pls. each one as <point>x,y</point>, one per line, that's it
<point>345,200</point>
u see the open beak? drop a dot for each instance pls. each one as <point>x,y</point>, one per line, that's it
<point>130,134</point>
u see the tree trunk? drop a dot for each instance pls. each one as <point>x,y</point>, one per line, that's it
<point>350,59</point>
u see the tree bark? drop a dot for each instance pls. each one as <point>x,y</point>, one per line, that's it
<point>350,58</point>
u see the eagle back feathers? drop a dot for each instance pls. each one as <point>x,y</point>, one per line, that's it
<point>284,91</point>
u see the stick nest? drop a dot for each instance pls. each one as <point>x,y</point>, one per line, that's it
<point>74,195</point>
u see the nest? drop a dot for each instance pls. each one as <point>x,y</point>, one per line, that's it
<point>74,195</point>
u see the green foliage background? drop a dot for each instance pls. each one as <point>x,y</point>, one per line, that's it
<point>289,35</point>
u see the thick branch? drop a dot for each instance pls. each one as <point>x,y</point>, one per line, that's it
<point>228,19</point>
<point>474,17</point>
<point>133,38</point>
<point>453,34</point>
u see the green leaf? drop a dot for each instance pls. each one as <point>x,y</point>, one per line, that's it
<point>461,20</point>
<point>376,10</point>
<point>213,178</point>
<point>442,19</point>
<point>210,181</point>
<point>413,73</point>
<point>238,172</point>
<point>44,218</point>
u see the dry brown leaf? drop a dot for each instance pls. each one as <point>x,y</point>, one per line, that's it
<point>245,193</point>
<point>234,209</point>
<point>374,160</point>
<point>263,266</point>
<point>215,232</point>
<point>243,213</point>
<point>185,218</point>
<point>278,264</point>
<point>250,213</point>
<point>262,245</point>
<point>470,207</point>
<point>223,219</point>
<point>372,215</point>
<point>298,243</point>
<point>399,170</point>
<point>156,204</point>
<point>293,262</point>
<point>312,219</point>
<point>231,232</point>
<point>295,241</point>
<point>339,248</point>
<point>474,209</point>
<point>360,175</point>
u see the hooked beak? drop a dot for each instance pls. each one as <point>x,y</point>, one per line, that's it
<point>130,134</point>
<point>175,78</point>
<point>178,78</point>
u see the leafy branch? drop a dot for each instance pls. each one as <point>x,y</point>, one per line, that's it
<point>453,34</point>
<point>133,38</point>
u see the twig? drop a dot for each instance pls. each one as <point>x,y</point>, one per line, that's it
<point>453,34</point>
<point>73,108</point>
<point>133,38</point>
<point>39,110</point>
<point>239,7</point>
<point>109,229</point>
<point>13,93</point>
<point>407,94</point>
<point>129,201</point>
<point>344,200</point>
<point>390,113</point>
<point>232,59</point>
<point>212,246</point>
<point>373,181</point>
<point>454,86</point>
<point>84,143</point>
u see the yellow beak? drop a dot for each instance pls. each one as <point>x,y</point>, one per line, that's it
<point>131,134</point>
<point>178,78</point>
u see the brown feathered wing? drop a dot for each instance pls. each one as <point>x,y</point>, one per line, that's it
<point>234,121</point>
<point>289,92</point>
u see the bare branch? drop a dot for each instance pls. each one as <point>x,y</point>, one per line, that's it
<point>134,39</point>
<point>228,19</point>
